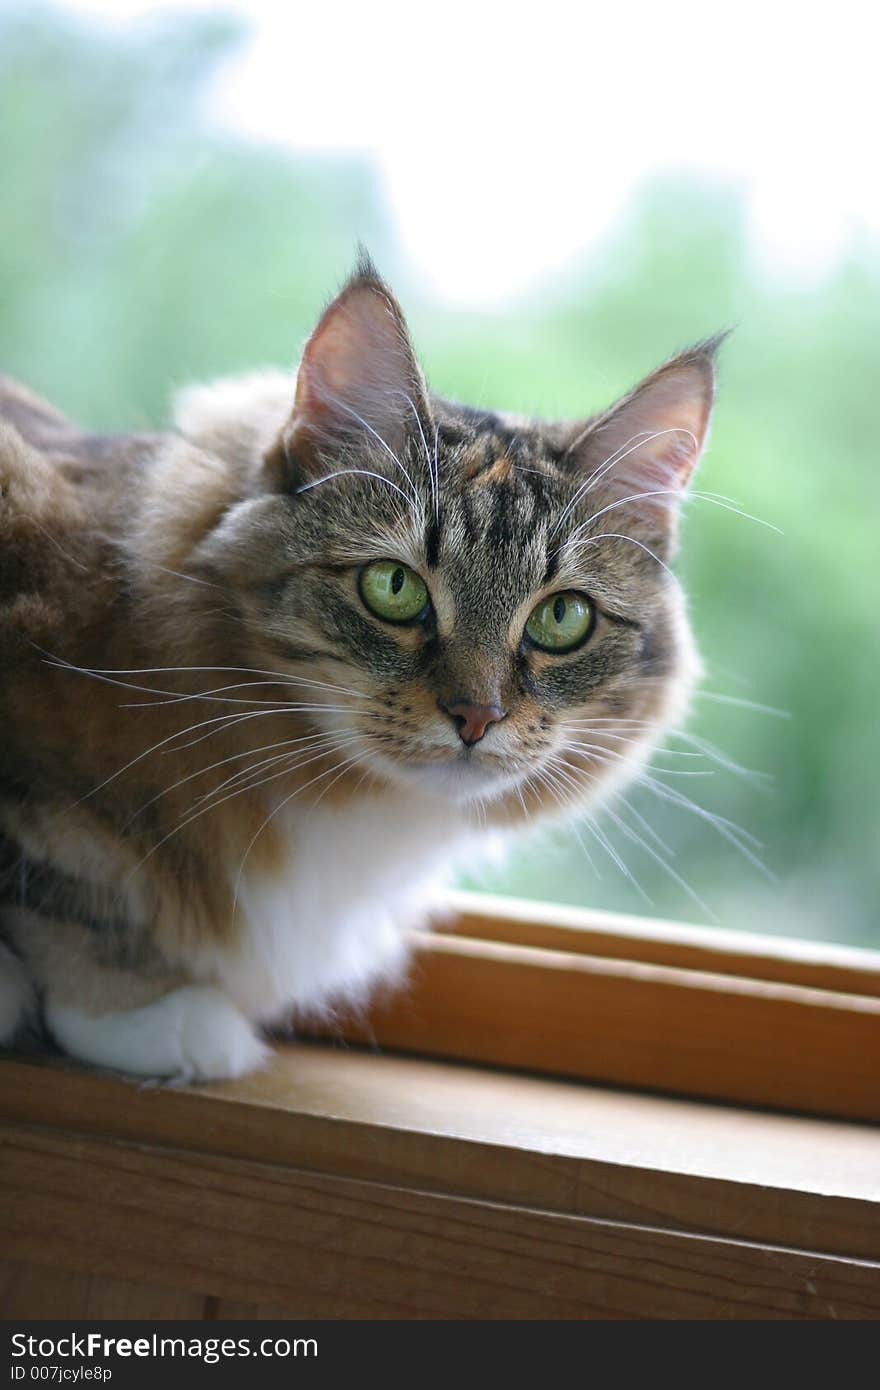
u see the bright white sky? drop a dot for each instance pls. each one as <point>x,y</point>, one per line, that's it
<point>509,136</point>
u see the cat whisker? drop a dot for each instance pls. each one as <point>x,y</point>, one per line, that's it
<point>519,789</point>
<point>614,756</point>
<point>176,696</point>
<point>703,746</point>
<point>222,762</point>
<point>576,831</point>
<point>542,778</point>
<point>261,778</point>
<point>587,727</point>
<point>634,837</point>
<point>632,810</point>
<point>280,677</point>
<point>636,440</point>
<point>618,536</point>
<point>411,403</point>
<point>348,472</point>
<point>292,763</point>
<point>203,811</point>
<point>162,743</point>
<point>213,696</point>
<point>734,834</point>
<point>647,827</point>
<point>349,410</point>
<point>357,760</point>
<point>348,762</point>
<point>729,506</point>
<point>217,699</point>
<point>620,863</point>
<point>668,492</point>
<point>739,703</point>
<point>572,824</point>
<point>224,722</point>
<point>71,559</point>
<point>178,574</point>
<point>637,839</point>
<point>219,723</point>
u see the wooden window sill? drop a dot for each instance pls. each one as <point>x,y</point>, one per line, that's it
<point>345,1182</point>
<point>341,1183</point>
<point>727,1016</point>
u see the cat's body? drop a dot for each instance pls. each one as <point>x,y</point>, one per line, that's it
<point>235,767</point>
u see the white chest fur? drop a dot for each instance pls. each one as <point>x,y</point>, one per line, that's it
<point>332,921</point>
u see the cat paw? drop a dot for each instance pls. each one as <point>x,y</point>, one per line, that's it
<point>16,996</point>
<point>191,1034</point>
<point>216,1040</point>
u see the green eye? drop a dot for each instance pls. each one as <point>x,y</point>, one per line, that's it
<point>561,622</point>
<point>393,591</point>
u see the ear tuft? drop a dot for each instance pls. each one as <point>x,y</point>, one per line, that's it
<point>365,268</point>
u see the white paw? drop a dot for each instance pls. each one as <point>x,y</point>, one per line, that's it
<point>16,995</point>
<point>192,1034</point>
<point>216,1040</point>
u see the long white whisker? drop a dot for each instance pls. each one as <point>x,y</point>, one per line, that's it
<point>215,720</point>
<point>293,762</point>
<point>587,727</point>
<point>205,809</point>
<point>222,762</point>
<point>634,836</point>
<point>733,834</point>
<point>636,440</point>
<point>348,472</point>
<point>281,678</point>
<point>739,703</point>
<point>176,696</point>
<point>613,756</point>
<point>599,835</point>
<point>632,810</point>
<point>349,410</point>
<point>411,403</point>
<point>618,536</point>
<point>276,811</point>
<point>667,492</point>
<point>436,471</point>
<point>641,439</point>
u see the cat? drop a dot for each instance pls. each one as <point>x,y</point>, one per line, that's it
<point>267,679</point>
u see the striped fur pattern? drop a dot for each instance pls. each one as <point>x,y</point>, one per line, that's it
<point>227,787</point>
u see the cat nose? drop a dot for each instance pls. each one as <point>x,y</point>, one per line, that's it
<point>472,721</point>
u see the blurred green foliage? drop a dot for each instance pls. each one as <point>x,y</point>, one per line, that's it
<point>142,248</point>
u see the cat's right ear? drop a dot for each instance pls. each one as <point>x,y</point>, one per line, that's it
<point>639,456</point>
<point>359,387</point>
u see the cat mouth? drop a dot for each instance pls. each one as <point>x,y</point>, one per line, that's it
<point>463,776</point>
<point>467,760</point>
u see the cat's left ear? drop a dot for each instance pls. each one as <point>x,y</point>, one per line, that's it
<point>639,455</point>
<point>359,387</point>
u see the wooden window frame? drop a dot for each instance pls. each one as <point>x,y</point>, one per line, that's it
<point>556,1118</point>
<point>736,1017</point>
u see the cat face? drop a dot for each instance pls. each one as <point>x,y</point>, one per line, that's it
<point>489,596</point>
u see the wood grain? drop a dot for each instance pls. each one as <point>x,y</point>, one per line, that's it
<point>320,1246</point>
<point>34,1291</point>
<point>346,1183</point>
<point>494,1136</point>
<point>757,1042</point>
<point>552,926</point>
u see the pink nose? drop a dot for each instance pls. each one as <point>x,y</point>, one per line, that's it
<point>472,721</point>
